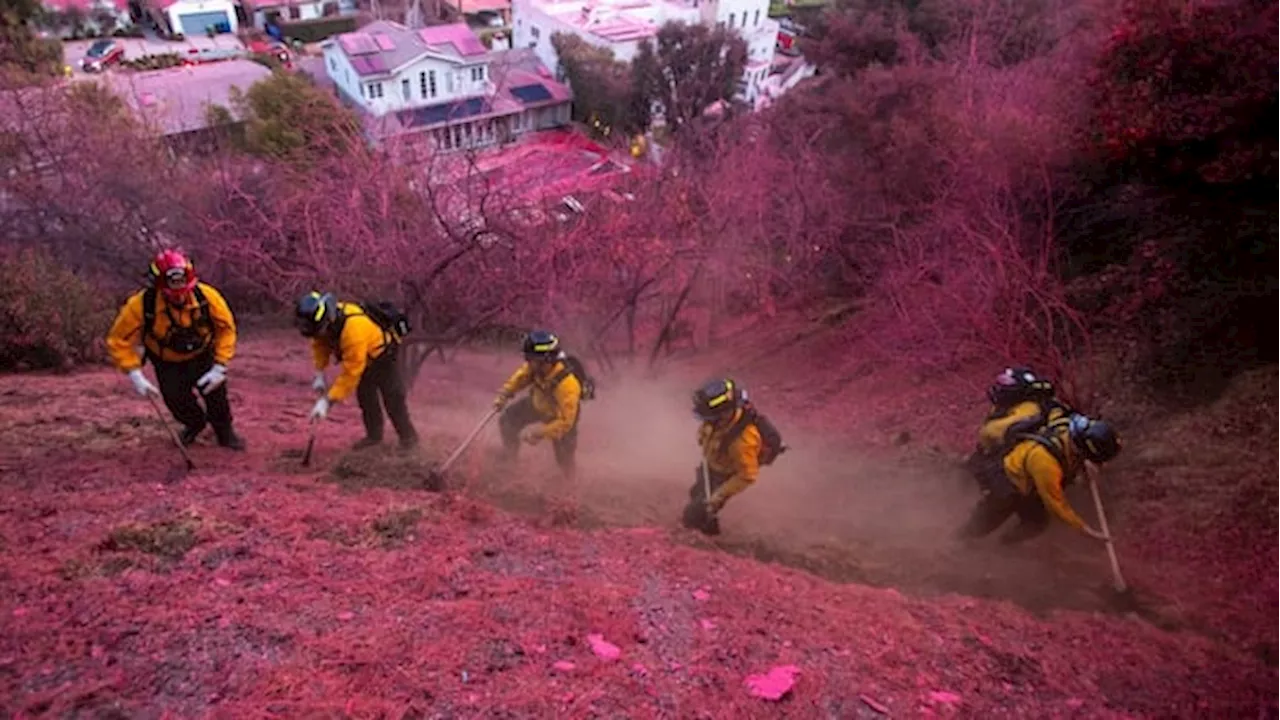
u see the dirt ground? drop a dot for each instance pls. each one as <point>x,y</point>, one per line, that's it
<point>253,587</point>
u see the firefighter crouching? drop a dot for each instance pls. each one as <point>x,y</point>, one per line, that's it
<point>350,335</point>
<point>1031,477</point>
<point>735,441</point>
<point>188,333</point>
<point>551,409</point>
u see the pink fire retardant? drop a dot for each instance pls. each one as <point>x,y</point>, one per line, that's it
<point>775,684</point>
<point>603,649</point>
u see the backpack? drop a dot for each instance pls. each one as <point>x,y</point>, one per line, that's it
<point>771,439</point>
<point>574,366</point>
<point>149,313</point>
<point>388,317</point>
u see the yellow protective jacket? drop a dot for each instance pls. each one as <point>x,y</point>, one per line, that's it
<point>556,404</point>
<point>126,332</point>
<point>1033,468</point>
<point>739,459</point>
<point>995,429</point>
<point>360,341</point>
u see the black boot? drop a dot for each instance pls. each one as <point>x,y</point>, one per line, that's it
<point>409,443</point>
<point>232,441</point>
<point>189,435</point>
<point>366,442</point>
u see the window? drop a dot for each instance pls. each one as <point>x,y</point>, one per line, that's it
<point>757,20</point>
<point>533,31</point>
<point>333,65</point>
<point>477,74</point>
<point>731,16</point>
<point>422,85</point>
<point>448,82</point>
<point>431,83</point>
<point>406,88</point>
<point>375,91</point>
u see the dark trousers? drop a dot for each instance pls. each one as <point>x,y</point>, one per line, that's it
<point>520,415</point>
<point>1000,500</point>
<point>177,382</point>
<point>382,377</point>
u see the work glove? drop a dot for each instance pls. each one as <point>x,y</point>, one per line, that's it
<point>212,379</point>
<point>501,401</point>
<point>141,384</point>
<point>320,411</point>
<point>532,436</point>
<point>319,384</point>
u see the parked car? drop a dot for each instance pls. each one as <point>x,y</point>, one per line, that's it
<point>101,55</point>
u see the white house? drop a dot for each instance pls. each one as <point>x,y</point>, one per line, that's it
<point>297,10</point>
<point>102,16</point>
<point>621,25</point>
<point>440,84</point>
<point>193,18</point>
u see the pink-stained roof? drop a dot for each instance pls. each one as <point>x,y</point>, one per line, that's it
<point>176,100</point>
<point>383,46</point>
<point>86,6</point>
<point>613,29</point>
<point>459,35</point>
<point>472,7</point>
<point>357,43</point>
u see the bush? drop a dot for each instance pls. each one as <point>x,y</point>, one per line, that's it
<point>49,316</point>
<point>309,31</point>
<point>159,61</point>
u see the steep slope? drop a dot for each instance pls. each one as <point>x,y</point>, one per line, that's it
<point>253,588</point>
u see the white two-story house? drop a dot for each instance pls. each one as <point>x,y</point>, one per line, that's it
<point>440,84</point>
<point>621,25</point>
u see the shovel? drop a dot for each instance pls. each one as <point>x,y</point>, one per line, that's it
<point>311,443</point>
<point>1118,583</point>
<point>435,478</point>
<point>173,434</point>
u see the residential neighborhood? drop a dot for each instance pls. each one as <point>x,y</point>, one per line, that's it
<point>484,77</point>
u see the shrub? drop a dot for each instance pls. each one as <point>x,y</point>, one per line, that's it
<point>49,316</point>
<point>309,31</point>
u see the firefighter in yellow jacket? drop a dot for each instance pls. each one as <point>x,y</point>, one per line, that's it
<point>188,333</point>
<point>1021,402</point>
<point>1031,478</point>
<point>346,334</point>
<point>551,409</point>
<point>733,449</point>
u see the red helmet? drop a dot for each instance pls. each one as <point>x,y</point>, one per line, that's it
<point>173,274</point>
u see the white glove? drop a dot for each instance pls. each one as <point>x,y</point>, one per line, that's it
<point>320,411</point>
<point>212,379</point>
<point>319,384</point>
<point>141,384</point>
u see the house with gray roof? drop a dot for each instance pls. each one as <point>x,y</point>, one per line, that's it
<point>441,85</point>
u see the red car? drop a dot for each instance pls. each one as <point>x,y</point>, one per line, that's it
<point>101,55</point>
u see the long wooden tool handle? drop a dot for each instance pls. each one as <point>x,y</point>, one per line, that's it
<point>311,443</point>
<point>1120,584</point>
<point>173,434</point>
<point>467,443</point>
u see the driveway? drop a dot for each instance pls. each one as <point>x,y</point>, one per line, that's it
<point>135,48</point>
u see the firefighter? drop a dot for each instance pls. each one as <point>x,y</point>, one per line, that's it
<point>735,441</point>
<point>346,333</point>
<point>188,333</point>
<point>1034,474</point>
<point>551,410</point>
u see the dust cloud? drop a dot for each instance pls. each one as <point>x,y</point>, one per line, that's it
<point>822,506</point>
